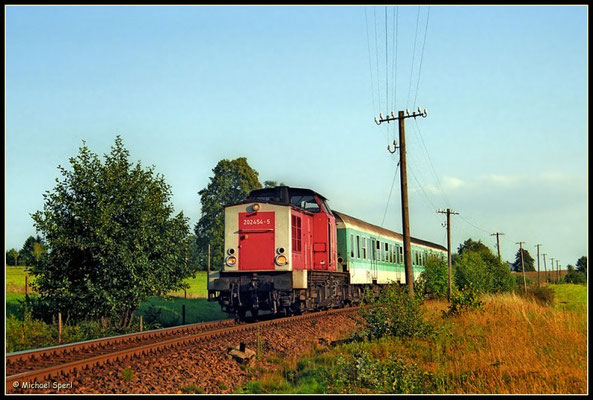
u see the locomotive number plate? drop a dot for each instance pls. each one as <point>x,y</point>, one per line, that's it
<point>259,220</point>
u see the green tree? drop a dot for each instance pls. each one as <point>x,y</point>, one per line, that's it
<point>232,181</point>
<point>12,257</point>
<point>112,239</point>
<point>38,251</point>
<point>271,184</point>
<point>527,261</point>
<point>476,266</point>
<point>582,265</point>
<point>436,277</point>
<point>27,256</point>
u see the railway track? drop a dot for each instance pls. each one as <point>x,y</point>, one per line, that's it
<point>61,361</point>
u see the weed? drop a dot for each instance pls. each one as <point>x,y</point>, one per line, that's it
<point>192,389</point>
<point>465,299</point>
<point>127,374</point>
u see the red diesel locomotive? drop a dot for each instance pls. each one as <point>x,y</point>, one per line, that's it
<point>287,252</point>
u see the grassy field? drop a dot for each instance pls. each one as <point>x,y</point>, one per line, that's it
<point>513,346</point>
<point>570,297</point>
<point>198,309</point>
<point>15,279</point>
<point>156,311</point>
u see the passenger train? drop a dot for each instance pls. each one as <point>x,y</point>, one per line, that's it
<point>287,252</point>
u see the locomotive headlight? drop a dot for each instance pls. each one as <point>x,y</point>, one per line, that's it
<point>255,207</point>
<point>231,261</point>
<point>281,260</point>
<point>230,252</point>
<point>280,250</point>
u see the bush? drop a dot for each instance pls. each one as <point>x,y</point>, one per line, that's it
<point>436,278</point>
<point>472,271</point>
<point>361,371</point>
<point>28,333</point>
<point>159,317</point>
<point>575,277</point>
<point>542,294</point>
<point>465,299</point>
<point>393,313</point>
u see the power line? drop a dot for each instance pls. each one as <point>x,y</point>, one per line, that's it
<point>370,62</point>
<point>390,190</point>
<point>377,54</point>
<point>421,57</point>
<point>432,166</point>
<point>386,65</point>
<point>413,57</point>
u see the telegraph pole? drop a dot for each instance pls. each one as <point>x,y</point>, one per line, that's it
<point>522,265</point>
<point>558,269</point>
<point>537,245</point>
<point>448,211</point>
<point>404,186</point>
<point>545,269</point>
<point>497,242</point>
<point>552,267</point>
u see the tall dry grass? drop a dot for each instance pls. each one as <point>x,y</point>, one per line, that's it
<point>514,345</point>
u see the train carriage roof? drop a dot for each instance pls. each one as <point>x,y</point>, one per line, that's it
<point>351,222</point>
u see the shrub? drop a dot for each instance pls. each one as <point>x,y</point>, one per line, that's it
<point>28,333</point>
<point>519,281</point>
<point>436,277</point>
<point>575,277</point>
<point>465,299</point>
<point>542,294</point>
<point>477,265</point>
<point>361,371</point>
<point>393,313</point>
<point>472,270</point>
<point>157,317</point>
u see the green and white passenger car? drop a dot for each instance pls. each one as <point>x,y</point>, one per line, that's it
<point>374,255</point>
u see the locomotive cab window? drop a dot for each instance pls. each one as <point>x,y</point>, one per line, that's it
<point>306,202</point>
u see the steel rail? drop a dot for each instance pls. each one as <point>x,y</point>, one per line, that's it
<point>111,341</point>
<point>89,363</point>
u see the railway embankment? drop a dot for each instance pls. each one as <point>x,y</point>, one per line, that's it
<point>511,344</point>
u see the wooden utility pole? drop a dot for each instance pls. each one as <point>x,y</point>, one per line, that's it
<point>448,211</point>
<point>404,187</point>
<point>552,267</point>
<point>537,245</point>
<point>545,269</point>
<point>558,270</point>
<point>522,265</point>
<point>497,242</point>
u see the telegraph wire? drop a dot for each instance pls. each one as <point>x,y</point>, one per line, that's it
<point>413,57</point>
<point>390,191</point>
<point>370,62</point>
<point>441,191</point>
<point>386,65</point>
<point>395,37</point>
<point>377,54</point>
<point>421,56</point>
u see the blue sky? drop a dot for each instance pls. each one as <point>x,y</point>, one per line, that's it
<point>295,90</point>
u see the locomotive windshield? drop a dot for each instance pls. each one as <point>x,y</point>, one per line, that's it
<point>305,201</point>
<point>301,198</point>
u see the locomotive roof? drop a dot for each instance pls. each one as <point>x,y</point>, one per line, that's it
<point>290,189</point>
<point>362,225</point>
<point>282,193</point>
